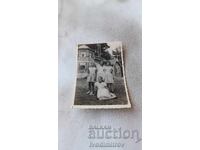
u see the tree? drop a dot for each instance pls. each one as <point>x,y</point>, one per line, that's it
<point>106,55</point>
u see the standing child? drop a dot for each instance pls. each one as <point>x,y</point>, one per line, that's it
<point>91,78</point>
<point>109,78</point>
<point>100,69</point>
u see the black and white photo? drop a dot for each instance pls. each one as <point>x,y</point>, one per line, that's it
<point>100,80</point>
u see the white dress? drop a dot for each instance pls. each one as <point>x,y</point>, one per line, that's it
<point>102,92</point>
<point>100,71</point>
<point>109,74</point>
<point>92,74</point>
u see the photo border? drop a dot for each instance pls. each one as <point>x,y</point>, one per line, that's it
<point>128,105</point>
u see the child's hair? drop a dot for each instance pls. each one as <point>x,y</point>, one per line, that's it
<point>108,63</point>
<point>100,79</point>
<point>92,64</point>
<point>101,62</point>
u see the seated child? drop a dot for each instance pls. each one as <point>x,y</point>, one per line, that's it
<point>102,90</point>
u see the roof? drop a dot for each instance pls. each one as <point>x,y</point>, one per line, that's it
<point>84,47</point>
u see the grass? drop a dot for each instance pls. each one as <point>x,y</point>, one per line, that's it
<point>81,98</point>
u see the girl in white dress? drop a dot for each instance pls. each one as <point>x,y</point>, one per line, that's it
<point>109,78</point>
<point>100,70</point>
<point>91,78</point>
<point>102,90</point>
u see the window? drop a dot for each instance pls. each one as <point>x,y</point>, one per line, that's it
<point>83,54</point>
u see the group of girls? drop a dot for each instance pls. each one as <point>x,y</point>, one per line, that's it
<point>101,79</point>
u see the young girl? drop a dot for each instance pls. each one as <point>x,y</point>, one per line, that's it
<point>91,78</point>
<point>109,79</point>
<point>102,91</point>
<point>100,69</point>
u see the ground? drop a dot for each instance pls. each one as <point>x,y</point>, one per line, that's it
<point>81,98</point>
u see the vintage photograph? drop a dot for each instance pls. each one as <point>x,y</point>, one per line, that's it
<point>100,80</point>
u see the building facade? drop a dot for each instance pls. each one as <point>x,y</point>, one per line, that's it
<point>86,55</point>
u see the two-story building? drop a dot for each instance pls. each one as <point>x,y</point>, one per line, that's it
<point>85,56</point>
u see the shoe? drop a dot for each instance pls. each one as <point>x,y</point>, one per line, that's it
<point>88,92</point>
<point>91,93</point>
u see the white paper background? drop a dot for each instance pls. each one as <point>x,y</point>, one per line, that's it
<point>28,62</point>
<point>98,21</point>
